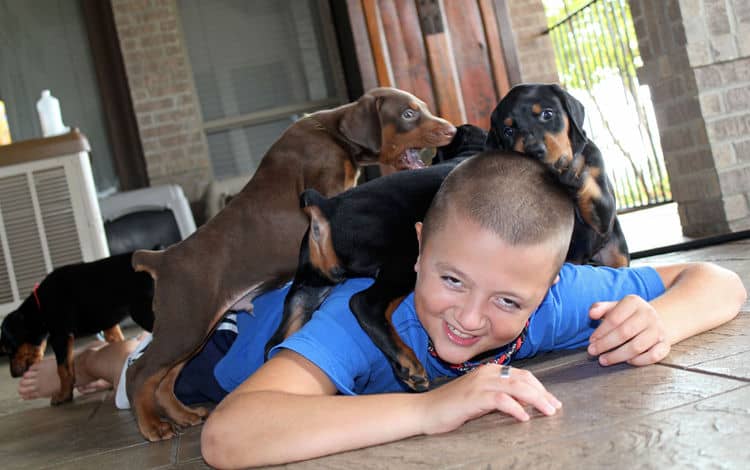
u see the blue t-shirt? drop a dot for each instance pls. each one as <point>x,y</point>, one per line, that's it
<point>334,341</point>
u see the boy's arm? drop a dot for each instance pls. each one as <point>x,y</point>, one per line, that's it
<point>698,297</point>
<point>288,411</point>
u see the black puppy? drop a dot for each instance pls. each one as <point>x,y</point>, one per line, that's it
<point>73,301</point>
<point>367,231</point>
<point>546,122</point>
<point>382,214</point>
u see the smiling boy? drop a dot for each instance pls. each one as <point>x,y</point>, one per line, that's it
<point>491,287</point>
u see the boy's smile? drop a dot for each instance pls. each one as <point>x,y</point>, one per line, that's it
<point>474,291</point>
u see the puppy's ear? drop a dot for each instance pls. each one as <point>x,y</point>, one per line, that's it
<point>576,114</point>
<point>361,123</point>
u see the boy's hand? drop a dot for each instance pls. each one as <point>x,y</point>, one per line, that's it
<point>631,331</point>
<point>482,391</point>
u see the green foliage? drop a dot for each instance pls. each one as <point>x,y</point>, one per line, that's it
<point>594,43</point>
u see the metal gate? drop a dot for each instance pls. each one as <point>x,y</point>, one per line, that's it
<point>596,51</point>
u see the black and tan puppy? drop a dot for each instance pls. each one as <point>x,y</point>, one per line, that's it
<point>73,301</point>
<point>369,231</point>
<point>546,123</point>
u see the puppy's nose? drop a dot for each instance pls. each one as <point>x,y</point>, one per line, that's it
<point>533,147</point>
<point>449,131</point>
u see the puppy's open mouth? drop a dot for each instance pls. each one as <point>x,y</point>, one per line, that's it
<point>409,160</point>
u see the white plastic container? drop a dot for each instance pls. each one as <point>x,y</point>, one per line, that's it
<point>4,130</point>
<point>50,116</point>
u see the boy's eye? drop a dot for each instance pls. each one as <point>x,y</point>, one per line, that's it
<point>506,303</point>
<point>451,281</point>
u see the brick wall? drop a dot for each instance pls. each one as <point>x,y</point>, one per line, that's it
<point>536,55</point>
<point>696,56</point>
<point>163,94</point>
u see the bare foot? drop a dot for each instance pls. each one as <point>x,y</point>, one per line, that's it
<point>42,380</point>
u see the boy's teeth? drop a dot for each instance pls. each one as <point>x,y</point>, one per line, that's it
<point>458,333</point>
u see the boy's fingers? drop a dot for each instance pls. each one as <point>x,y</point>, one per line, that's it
<point>658,352</point>
<point>631,348</point>
<point>611,318</point>
<point>508,405</point>
<point>620,334</point>
<point>598,309</point>
<point>539,399</point>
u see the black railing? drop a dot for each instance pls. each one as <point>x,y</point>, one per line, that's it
<point>597,55</point>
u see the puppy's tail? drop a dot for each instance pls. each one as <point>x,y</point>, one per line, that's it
<point>147,260</point>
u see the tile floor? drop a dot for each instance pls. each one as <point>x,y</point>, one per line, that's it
<point>691,411</point>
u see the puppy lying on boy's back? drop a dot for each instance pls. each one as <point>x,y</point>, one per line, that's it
<point>73,301</point>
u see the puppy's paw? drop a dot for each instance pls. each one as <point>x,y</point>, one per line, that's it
<point>413,375</point>
<point>156,430</point>
<point>190,418</point>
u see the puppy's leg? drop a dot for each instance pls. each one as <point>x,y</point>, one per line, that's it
<point>309,289</point>
<point>374,308</point>
<point>63,348</point>
<point>173,407</point>
<point>615,251</point>
<point>141,393</point>
<point>165,352</point>
<point>113,334</point>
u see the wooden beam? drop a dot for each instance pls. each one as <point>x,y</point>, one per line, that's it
<point>362,48</point>
<point>467,37</point>
<point>442,63</point>
<point>399,60</point>
<point>414,46</point>
<point>505,28</point>
<point>494,48</point>
<point>377,42</point>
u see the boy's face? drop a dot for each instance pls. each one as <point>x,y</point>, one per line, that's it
<point>474,291</point>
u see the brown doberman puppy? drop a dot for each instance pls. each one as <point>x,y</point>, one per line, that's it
<point>546,122</point>
<point>253,243</point>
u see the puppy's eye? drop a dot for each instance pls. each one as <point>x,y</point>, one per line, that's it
<point>546,115</point>
<point>508,131</point>
<point>409,114</point>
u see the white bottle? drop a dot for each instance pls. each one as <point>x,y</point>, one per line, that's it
<point>50,116</point>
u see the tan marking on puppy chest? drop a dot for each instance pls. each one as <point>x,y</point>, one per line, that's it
<point>320,243</point>
<point>536,108</point>
<point>406,355</point>
<point>589,192</point>
<point>351,174</point>
<point>558,145</point>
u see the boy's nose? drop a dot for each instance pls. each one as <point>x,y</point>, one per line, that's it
<point>470,317</point>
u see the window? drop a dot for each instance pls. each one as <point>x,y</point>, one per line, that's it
<point>43,45</point>
<point>258,65</point>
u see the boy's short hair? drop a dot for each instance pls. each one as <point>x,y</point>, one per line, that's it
<point>510,194</point>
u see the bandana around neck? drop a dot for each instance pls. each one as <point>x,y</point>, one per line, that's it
<point>501,355</point>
